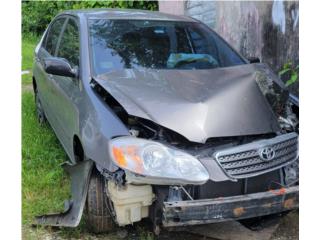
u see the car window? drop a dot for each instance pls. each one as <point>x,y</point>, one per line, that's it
<point>69,43</point>
<point>53,36</point>
<point>123,44</point>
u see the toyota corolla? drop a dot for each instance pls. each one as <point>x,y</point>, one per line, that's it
<point>162,119</point>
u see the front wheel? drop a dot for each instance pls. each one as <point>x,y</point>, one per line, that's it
<point>99,218</point>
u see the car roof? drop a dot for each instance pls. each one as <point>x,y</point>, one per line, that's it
<point>127,14</point>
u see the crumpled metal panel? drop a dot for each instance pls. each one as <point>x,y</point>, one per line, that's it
<point>201,104</point>
<point>194,212</point>
<point>80,176</point>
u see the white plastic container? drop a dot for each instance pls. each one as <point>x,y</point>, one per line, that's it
<point>131,203</point>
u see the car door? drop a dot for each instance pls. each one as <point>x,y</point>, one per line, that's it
<point>67,90</point>
<point>45,85</point>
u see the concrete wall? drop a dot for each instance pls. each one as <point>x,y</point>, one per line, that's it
<point>172,7</point>
<point>265,29</point>
<point>204,11</point>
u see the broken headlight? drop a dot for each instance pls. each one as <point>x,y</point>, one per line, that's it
<point>157,161</point>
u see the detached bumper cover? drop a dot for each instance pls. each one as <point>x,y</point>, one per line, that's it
<point>80,177</point>
<point>194,212</point>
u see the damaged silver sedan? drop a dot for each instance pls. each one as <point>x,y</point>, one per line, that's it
<point>162,119</point>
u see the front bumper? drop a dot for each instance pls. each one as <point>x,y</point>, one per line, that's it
<point>183,213</point>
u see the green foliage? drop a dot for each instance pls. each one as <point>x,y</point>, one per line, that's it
<point>36,15</point>
<point>289,73</point>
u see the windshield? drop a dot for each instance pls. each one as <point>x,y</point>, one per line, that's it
<point>136,44</point>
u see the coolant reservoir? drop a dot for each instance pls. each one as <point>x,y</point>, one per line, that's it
<point>131,203</point>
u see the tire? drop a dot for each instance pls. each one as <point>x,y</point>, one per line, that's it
<point>98,218</point>
<point>40,113</point>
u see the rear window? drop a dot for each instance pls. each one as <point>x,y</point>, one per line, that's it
<point>134,44</point>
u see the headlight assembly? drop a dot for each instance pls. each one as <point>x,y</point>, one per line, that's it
<point>154,160</point>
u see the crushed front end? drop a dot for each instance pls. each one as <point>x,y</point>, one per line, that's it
<point>246,178</point>
<point>256,186</point>
<point>179,182</point>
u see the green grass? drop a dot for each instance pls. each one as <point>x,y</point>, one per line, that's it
<point>28,45</point>
<point>44,184</point>
<point>26,79</point>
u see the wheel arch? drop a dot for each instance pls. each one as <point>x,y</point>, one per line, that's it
<point>34,84</point>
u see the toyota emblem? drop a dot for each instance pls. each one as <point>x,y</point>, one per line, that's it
<point>267,153</point>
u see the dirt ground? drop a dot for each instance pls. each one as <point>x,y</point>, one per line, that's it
<point>286,228</point>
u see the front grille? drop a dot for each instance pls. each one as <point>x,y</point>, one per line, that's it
<point>246,160</point>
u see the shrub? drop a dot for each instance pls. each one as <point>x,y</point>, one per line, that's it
<point>36,15</point>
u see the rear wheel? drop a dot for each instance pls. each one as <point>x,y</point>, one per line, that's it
<point>98,217</point>
<point>40,113</point>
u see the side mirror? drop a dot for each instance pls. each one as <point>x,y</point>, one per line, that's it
<point>59,66</point>
<point>254,59</point>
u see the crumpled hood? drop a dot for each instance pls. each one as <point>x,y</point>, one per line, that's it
<point>201,104</point>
